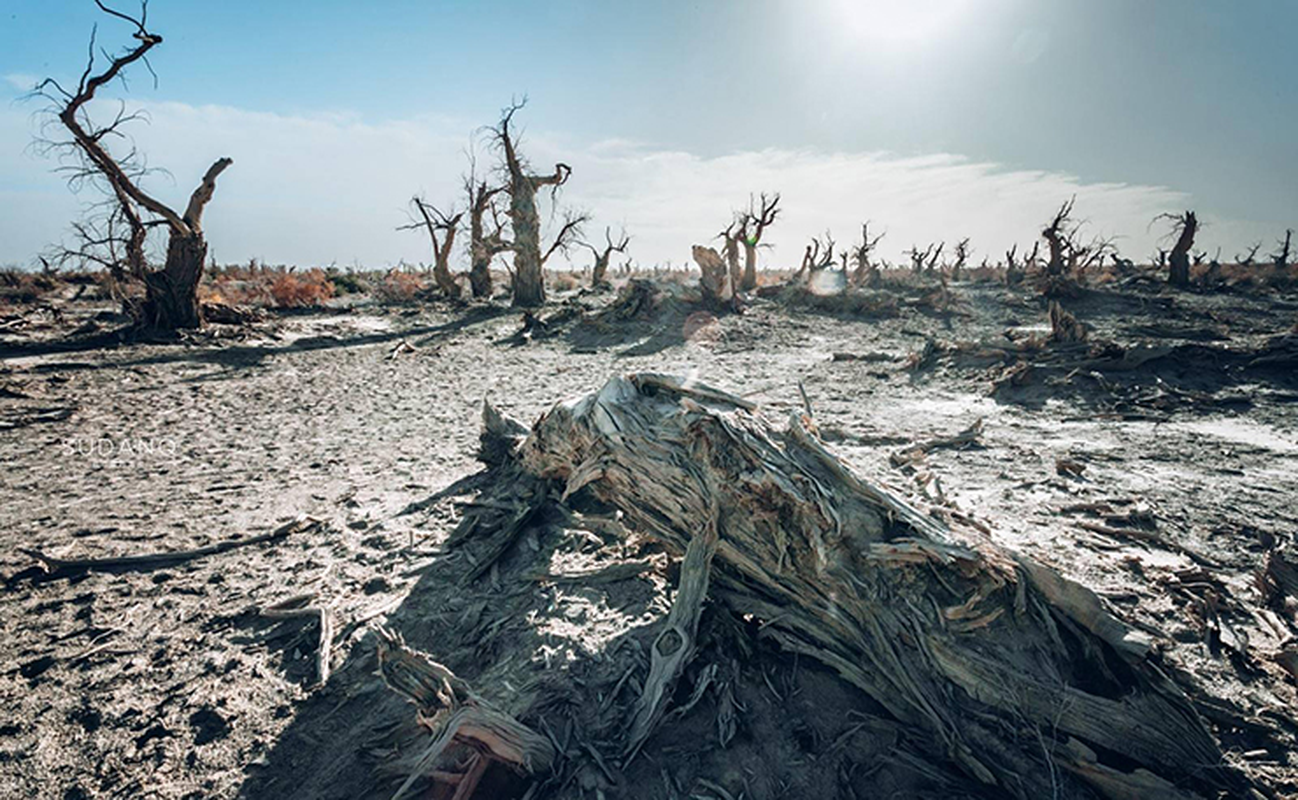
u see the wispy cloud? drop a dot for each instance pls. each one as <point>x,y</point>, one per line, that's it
<point>21,81</point>
<point>333,188</point>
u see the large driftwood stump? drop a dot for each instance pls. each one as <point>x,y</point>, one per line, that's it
<point>1019,677</point>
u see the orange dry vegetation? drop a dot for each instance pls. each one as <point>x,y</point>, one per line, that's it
<point>296,289</point>
<point>398,287</point>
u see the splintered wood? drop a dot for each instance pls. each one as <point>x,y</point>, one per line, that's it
<point>993,664</point>
<point>453,713</point>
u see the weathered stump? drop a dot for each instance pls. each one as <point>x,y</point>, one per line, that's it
<point>1018,676</point>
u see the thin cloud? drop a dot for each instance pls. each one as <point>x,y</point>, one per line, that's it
<point>332,188</point>
<point>21,81</point>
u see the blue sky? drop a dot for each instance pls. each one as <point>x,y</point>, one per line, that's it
<point>936,119</point>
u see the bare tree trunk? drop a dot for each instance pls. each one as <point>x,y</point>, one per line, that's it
<point>749,281</point>
<point>529,263</point>
<point>1179,259</point>
<point>171,294</point>
<point>599,275</point>
<point>480,276</point>
<point>529,273</point>
<point>731,250</point>
<point>483,246</point>
<point>1282,257</point>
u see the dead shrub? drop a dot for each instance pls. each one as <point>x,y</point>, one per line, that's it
<point>301,289</point>
<point>23,288</point>
<point>398,287</point>
<point>563,281</point>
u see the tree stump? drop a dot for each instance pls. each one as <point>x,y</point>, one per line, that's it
<point>1002,668</point>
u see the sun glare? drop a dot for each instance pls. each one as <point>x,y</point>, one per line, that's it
<point>899,22</point>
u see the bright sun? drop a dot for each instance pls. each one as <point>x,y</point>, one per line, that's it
<point>899,22</point>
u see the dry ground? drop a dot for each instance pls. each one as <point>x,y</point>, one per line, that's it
<point>167,683</point>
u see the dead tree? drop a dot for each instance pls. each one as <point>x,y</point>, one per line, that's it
<point>1013,273</point>
<point>752,225</point>
<point>920,260</point>
<point>525,220</point>
<point>436,222</point>
<point>486,240</point>
<point>931,267</point>
<point>1281,258</point>
<point>990,662</point>
<point>818,256</point>
<point>171,293</point>
<point>961,258</point>
<point>1246,259</point>
<point>730,249</point>
<point>1184,226</point>
<point>1030,263</point>
<point>600,271</point>
<point>714,281</point>
<point>866,274</point>
<point>1057,235</point>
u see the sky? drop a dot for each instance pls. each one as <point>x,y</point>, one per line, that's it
<point>933,119</point>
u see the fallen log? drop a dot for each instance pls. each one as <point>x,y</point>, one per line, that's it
<point>150,560</point>
<point>992,662</point>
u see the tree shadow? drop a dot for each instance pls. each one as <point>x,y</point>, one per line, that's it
<point>569,659</point>
<point>237,357</point>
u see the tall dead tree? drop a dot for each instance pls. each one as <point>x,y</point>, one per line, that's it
<point>1184,226</point>
<point>486,239</point>
<point>752,225</point>
<point>171,293</point>
<point>525,220</point>
<point>1282,256</point>
<point>437,222</point>
<point>961,258</point>
<point>866,274</point>
<point>598,276</point>
<point>730,249</point>
<point>1057,235</point>
<point>1013,273</point>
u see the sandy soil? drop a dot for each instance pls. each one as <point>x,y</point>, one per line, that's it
<point>167,682</point>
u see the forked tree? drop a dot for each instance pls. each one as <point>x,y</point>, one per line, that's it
<point>818,257</point>
<point>925,260</point>
<point>525,220</point>
<point>752,225</point>
<point>444,225</point>
<point>171,293</point>
<point>599,274</point>
<point>1246,259</point>
<point>1013,272</point>
<point>866,273</point>
<point>1058,234</point>
<point>486,239</point>
<point>961,258</point>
